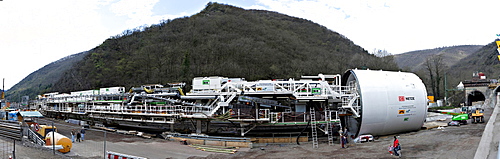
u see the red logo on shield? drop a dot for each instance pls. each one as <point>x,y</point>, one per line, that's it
<point>401,98</point>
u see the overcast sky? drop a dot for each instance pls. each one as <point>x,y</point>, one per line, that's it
<point>34,33</point>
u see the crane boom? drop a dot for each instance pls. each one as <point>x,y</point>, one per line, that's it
<point>456,116</point>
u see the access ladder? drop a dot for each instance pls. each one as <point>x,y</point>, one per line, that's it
<point>313,128</point>
<point>329,126</point>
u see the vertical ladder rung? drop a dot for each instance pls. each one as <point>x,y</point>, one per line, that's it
<point>313,127</point>
<point>329,126</point>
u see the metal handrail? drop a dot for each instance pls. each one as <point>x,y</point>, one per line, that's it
<point>35,138</point>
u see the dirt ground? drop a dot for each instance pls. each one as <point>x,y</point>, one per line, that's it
<point>450,142</point>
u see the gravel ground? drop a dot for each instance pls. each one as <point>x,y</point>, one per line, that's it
<point>450,142</point>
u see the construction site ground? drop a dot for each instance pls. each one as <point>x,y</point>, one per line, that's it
<point>446,142</point>
<point>434,142</point>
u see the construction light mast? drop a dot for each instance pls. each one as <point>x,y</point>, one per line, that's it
<point>3,90</point>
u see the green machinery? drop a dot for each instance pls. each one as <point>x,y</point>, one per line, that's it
<point>460,117</point>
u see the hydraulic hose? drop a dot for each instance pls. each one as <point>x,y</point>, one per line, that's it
<point>308,123</point>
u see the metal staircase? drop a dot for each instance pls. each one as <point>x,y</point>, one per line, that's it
<point>313,128</point>
<point>223,103</point>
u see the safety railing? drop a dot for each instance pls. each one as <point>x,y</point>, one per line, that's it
<point>34,137</point>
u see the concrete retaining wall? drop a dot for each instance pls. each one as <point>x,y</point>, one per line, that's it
<point>484,147</point>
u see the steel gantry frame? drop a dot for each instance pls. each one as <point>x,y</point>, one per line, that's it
<point>165,108</point>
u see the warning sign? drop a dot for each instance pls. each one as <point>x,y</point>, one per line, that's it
<point>401,111</point>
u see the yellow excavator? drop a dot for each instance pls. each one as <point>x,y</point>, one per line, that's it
<point>477,115</point>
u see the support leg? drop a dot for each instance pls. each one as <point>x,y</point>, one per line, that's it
<point>198,126</point>
<point>208,127</point>
<point>242,131</point>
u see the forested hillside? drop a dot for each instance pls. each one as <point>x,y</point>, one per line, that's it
<point>484,60</point>
<point>449,66</point>
<point>415,60</point>
<point>221,40</point>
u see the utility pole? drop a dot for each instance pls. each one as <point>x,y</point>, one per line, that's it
<point>105,156</point>
<point>497,41</point>
<point>445,90</point>
<point>53,139</point>
<point>2,95</point>
<point>3,89</point>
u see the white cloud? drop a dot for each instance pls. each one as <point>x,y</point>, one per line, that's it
<point>39,32</point>
<point>35,33</point>
<point>399,26</point>
<point>138,12</point>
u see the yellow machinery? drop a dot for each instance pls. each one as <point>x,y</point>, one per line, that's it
<point>44,129</point>
<point>47,132</point>
<point>478,115</point>
<point>59,140</point>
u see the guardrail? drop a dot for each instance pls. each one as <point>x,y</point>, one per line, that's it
<point>32,136</point>
<point>113,155</point>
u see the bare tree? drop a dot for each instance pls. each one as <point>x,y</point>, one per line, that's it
<point>435,68</point>
<point>430,70</point>
<point>439,69</point>
<point>386,59</point>
<point>381,53</point>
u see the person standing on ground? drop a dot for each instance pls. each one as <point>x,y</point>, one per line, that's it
<point>78,136</point>
<point>73,136</point>
<point>83,133</point>
<point>396,146</point>
<point>343,141</point>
